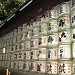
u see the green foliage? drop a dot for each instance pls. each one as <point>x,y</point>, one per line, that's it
<point>10,5</point>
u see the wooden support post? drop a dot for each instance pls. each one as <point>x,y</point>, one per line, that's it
<point>7,72</point>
